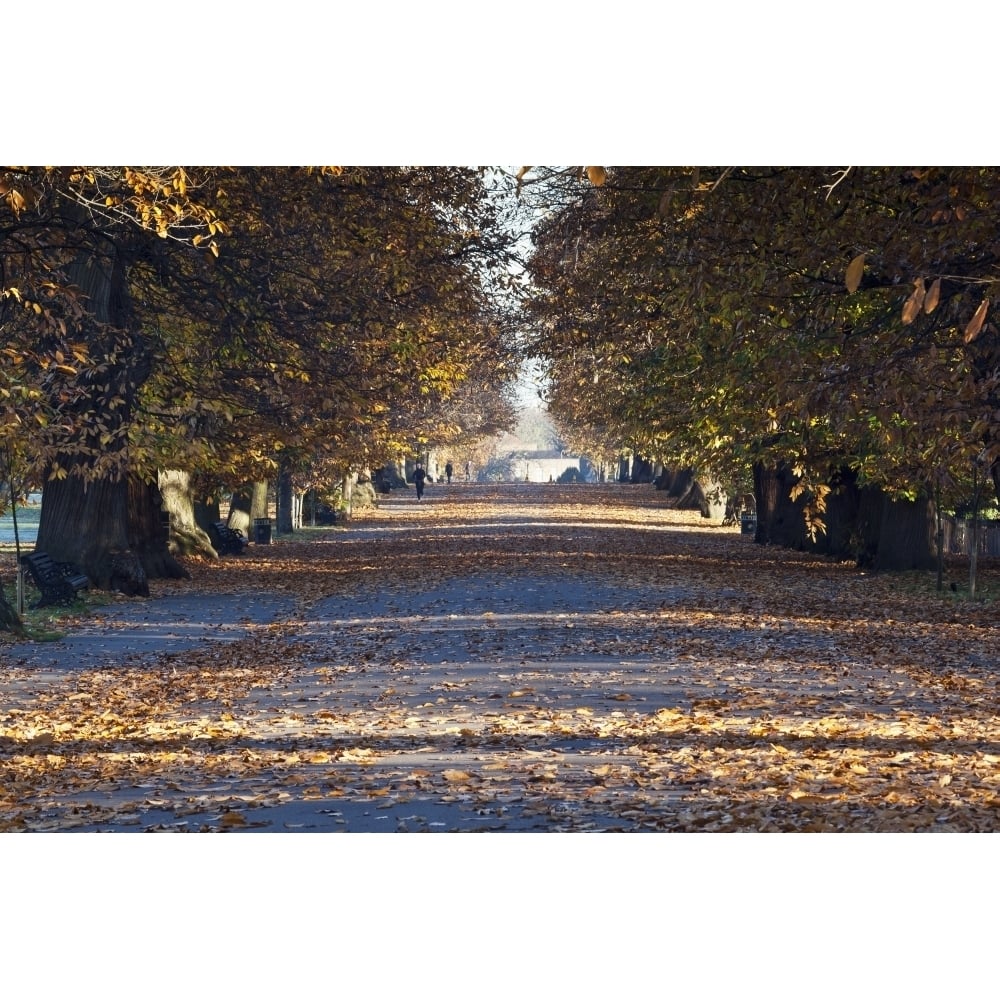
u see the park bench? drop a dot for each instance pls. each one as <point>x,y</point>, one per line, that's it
<point>57,582</point>
<point>226,540</point>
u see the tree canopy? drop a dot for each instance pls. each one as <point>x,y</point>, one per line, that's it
<point>217,316</point>
<point>820,316</point>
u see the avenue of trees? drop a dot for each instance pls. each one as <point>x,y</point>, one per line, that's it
<point>820,336</point>
<point>171,333</point>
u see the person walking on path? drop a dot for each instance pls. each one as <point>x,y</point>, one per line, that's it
<point>468,471</point>
<point>448,470</point>
<point>418,480</point>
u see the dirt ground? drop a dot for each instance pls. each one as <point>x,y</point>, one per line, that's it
<point>511,658</point>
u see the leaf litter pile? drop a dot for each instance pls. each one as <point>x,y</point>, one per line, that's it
<point>514,657</point>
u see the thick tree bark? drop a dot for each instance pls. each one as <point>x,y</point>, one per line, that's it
<point>149,532</point>
<point>678,482</point>
<point>863,524</point>
<point>248,504</point>
<point>779,518</point>
<point>86,523</point>
<point>642,470</point>
<point>187,536</point>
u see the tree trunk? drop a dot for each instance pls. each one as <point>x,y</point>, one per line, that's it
<point>285,525</point>
<point>86,524</point>
<point>9,619</point>
<point>85,499</point>
<point>779,518</point>
<point>642,470</point>
<point>187,536</point>
<point>678,482</point>
<point>906,535</point>
<point>248,504</point>
<point>862,523</point>
<point>347,492</point>
<point>149,532</point>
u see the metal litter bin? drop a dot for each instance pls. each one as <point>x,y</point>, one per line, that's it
<point>262,530</point>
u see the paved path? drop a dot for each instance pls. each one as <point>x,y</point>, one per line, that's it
<point>512,668</point>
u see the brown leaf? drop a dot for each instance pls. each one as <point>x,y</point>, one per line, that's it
<point>855,271</point>
<point>976,323</point>
<point>933,296</point>
<point>911,307</point>
<point>597,176</point>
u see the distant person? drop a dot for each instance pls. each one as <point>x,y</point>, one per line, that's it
<point>468,471</point>
<point>418,480</point>
<point>448,470</point>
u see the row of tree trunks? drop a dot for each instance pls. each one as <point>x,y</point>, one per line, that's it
<point>861,522</point>
<point>695,492</point>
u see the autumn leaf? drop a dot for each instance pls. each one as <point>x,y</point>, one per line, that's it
<point>597,176</point>
<point>911,307</point>
<point>855,271</point>
<point>975,325</point>
<point>933,296</point>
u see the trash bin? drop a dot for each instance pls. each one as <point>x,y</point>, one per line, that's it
<point>262,530</point>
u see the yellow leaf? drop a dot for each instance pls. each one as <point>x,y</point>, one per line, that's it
<point>456,776</point>
<point>976,323</point>
<point>232,819</point>
<point>933,296</point>
<point>597,176</point>
<point>944,780</point>
<point>855,270</point>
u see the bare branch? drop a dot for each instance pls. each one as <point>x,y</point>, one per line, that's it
<point>840,176</point>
